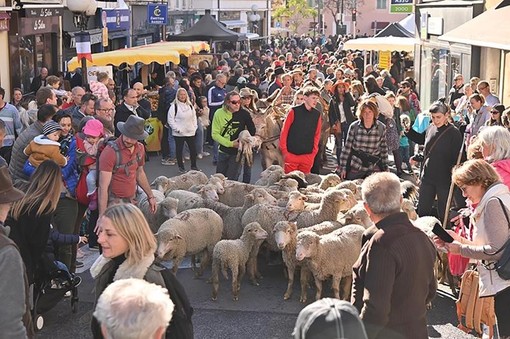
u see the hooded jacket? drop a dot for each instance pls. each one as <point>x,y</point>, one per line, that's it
<point>503,169</point>
<point>41,149</point>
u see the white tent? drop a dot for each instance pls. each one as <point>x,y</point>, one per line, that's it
<point>408,23</point>
<point>382,44</point>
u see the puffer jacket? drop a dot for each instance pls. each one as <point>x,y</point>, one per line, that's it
<point>18,158</point>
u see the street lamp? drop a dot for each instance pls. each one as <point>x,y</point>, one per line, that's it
<point>253,18</point>
<point>82,10</point>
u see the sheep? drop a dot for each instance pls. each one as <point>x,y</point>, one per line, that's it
<point>408,208</point>
<point>232,228</point>
<point>234,193</point>
<point>270,175</point>
<point>189,233</point>
<point>233,255</point>
<point>189,200</point>
<point>351,185</point>
<point>296,202</point>
<point>298,176</point>
<point>182,182</point>
<point>285,233</point>
<point>215,181</point>
<point>332,203</point>
<point>357,215</point>
<point>312,178</point>
<point>166,208</point>
<point>332,254</point>
<point>284,185</point>
<point>409,190</point>
<point>330,180</point>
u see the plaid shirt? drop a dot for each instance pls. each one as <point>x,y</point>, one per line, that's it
<point>370,141</point>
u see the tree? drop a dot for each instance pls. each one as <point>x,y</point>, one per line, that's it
<point>294,11</point>
<point>335,8</point>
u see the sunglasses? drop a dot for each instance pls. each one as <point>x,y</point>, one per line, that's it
<point>234,102</point>
<point>495,112</point>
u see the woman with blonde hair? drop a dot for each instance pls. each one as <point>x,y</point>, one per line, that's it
<point>481,186</point>
<point>30,217</point>
<point>365,150</point>
<point>182,120</point>
<point>128,252</point>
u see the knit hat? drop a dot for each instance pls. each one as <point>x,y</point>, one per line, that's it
<point>50,127</point>
<point>93,128</point>
<point>329,318</point>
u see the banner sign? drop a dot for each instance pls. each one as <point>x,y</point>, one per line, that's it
<point>401,6</point>
<point>385,60</point>
<point>93,70</point>
<point>157,14</point>
<point>117,19</point>
<point>83,50</point>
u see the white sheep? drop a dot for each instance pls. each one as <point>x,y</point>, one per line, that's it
<point>235,192</point>
<point>166,208</point>
<point>351,185</point>
<point>332,203</point>
<point>232,227</point>
<point>357,215</point>
<point>330,180</point>
<point>408,207</point>
<point>233,255</point>
<point>285,233</point>
<point>189,233</point>
<point>270,175</point>
<point>331,255</point>
<point>189,200</point>
<point>215,181</point>
<point>180,182</point>
<point>312,178</point>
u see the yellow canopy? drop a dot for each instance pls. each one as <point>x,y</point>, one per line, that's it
<point>160,52</point>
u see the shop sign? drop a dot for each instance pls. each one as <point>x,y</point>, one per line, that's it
<point>435,25</point>
<point>117,19</point>
<point>33,26</point>
<point>401,6</point>
<point>384,60</point>
<point>42,12</point>
<point>157,14</point>
<point>105,37</point>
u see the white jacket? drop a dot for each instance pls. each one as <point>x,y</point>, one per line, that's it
<point>183,122</point>
<point>488,237</point>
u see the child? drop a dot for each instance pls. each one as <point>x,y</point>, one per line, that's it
<point>93,131</point>
<point>404,142</point>
<point>44,147</point>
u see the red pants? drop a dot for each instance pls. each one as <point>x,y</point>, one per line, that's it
<point>301,163</point>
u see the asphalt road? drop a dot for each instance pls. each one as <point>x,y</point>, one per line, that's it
<point>260,313</point>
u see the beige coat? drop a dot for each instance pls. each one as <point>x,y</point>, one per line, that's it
<point>41,149</point>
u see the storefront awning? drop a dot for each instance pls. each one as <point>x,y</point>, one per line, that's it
<point>382,44</point>
<point>489,29</point>
<point>161,52</point>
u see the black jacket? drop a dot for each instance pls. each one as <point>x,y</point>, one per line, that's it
<point>334,110</point>
<point>122,113</point>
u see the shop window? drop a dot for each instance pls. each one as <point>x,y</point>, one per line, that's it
<point>381,4</point>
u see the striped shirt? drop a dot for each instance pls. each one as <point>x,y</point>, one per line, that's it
<point>10,115</point>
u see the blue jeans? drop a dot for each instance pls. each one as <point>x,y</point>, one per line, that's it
<point>171,145</point>
<point>199,140</point>
<point>228,166</point>
<point>404,154</point>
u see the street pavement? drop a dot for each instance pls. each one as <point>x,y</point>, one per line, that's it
<point>260,313</point>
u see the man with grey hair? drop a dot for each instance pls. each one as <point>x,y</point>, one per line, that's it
<point>134,309</point>
<point>485,89</point>
<point>393,278</point>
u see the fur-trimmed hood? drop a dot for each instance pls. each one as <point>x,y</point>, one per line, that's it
<point>125,269</point>
<point>43,140</point>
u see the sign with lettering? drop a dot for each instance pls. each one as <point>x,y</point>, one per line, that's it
<point>38,25</point>
<point>157,14</point>
<point>93,70</point>
<point>117,19</point>
<point>43,12</point>
<point>384,60</point>
<point>401,6</point>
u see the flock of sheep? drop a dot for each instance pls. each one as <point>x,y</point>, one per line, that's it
<point>317,223</point>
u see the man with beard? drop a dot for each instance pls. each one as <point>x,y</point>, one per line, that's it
<point>121,166</point>
<point>104,112</point>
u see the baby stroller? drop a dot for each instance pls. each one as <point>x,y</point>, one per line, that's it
<point>52,283</point>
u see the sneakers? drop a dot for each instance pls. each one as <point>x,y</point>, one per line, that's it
<point>205,154</point>
<point>199,156</point>
<point>78,264</point>
<point>182,170</point>
<point>79,254</point>
<point>168,162</point>
<point>186,157</point>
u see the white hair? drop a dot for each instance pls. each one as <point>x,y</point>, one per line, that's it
<point>497,139</point>
<point>133,308</point>
<point>382,193</point>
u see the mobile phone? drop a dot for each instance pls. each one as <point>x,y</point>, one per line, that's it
<point>441,233</point>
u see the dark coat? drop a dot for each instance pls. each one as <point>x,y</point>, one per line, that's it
<point>334,111</point>
<point>393,280</point>
<point>30,232</point>
<point>122,113</point>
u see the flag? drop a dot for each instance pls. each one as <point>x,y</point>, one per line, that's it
<point>83,46</point>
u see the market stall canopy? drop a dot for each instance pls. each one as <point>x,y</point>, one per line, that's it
<point>382,44</point>
<point>208,29</point>
<point>160,52</point>
<point>396,30</point>
<point>489,29</point>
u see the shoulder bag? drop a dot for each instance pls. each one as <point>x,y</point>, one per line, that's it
<point>502,266</point>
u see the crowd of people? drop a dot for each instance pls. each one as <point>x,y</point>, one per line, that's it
<point>84,148</point>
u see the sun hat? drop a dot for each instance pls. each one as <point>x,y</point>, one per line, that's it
<point>93,128</point>
<point>133,128</point>
<point>245,92</point>
<point>8,193</point>
<point>51,127</point>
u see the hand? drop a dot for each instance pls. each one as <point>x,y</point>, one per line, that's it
<point>413,162</point>
<point>153,205</point>
<point>83,240</point>
<point>454,247</point>
<point>343,174</point>
<point>438,242</point>
<point>235,144</point>
<point>455,236</point>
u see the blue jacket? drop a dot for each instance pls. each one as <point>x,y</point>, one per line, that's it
<point>215,98</point>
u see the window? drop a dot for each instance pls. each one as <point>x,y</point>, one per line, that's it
<point>381,4</point>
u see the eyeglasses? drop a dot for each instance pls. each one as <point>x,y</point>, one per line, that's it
<point>107,110</point>
<point>234,102</point>
<point>495,112</point>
